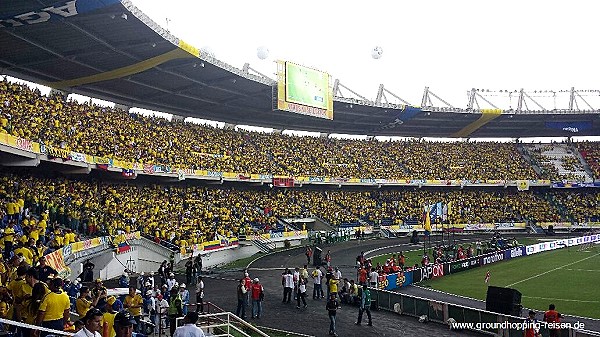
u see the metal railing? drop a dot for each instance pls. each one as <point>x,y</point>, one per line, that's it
<point>440,312</point>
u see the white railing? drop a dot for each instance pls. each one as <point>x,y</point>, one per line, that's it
<point>226,324</point>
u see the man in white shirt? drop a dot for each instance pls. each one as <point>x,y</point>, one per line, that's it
<point>92,324</point>
<point>337,273</point>
<point>317,275</point>
<point>296,277</point>
<point>287,280</point>
<point>162,306</point>
<point>373,276</point>
<point>200,295</point>
<point>189,329</point>
<point>171,281</point>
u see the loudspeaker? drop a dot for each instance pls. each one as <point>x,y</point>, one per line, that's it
<point>317,260</point>
<point>503,300</point>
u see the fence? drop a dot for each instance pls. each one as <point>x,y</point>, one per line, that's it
<point>477,319</point>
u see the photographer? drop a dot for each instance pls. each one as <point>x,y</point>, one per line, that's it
<point>85,301</point>
<point>99,291</point>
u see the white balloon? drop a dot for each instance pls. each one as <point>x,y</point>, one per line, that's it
<point>262,52</point>
<point>377,52</point>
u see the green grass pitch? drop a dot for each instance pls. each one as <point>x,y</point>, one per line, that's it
<point>569,278</point>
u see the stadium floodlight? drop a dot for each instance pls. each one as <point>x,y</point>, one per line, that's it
<point>124,16</point>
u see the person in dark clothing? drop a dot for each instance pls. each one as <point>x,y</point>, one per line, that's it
<point>332,307</point>
<point>241,299</point>
<point>44,270</point>
<point>365,305</point>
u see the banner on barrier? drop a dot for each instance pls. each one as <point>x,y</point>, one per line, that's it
<point>463,264</point>
<point>56,260</point>
<point>396,280</point>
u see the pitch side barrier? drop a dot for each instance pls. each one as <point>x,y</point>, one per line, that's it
<point>466,318</point>
<point>402,279</point>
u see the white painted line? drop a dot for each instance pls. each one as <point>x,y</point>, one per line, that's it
<point>551,270</point>
<point>560,299</point>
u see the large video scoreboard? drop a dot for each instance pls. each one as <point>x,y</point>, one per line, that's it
<point>304,90</point>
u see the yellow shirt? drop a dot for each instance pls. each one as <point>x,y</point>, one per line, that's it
<point>27,254</point>
<point>11,208</point>
<point>54,305</point>
<point>34,234</point>
<point>109,320</point>
<point>333,285</point>
<point>9,233</point>
<point>16,288</point>
<point>134,301</point>
<point>82,306</point>
<point>28,316</point>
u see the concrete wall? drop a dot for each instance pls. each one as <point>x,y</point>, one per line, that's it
<point>210,260</point>
<point>147,256</point>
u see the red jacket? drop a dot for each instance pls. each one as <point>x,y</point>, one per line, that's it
<point>247,282</point>
<point>256,290</point>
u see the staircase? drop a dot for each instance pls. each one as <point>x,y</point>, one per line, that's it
<point>536,229</point>
<point>386,233</point>
<point>263,244</point>
<point>530,160</point>
<point>322,225</point>
<point>562,161</point>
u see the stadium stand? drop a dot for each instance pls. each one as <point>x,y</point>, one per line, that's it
<point>113,133</point>
<point>590,151</point>
<point>558,162</point>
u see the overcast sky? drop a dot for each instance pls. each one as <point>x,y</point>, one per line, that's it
<point>450,46</point>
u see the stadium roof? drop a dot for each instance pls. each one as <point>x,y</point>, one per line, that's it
<point>110,50</point>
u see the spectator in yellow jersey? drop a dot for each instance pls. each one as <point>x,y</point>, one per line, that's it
<point>108,318</point>
<point>85,301</point>
<point>25,252</point>
<point>54,311</point>
<point>133,303</point>
<point>9,234</point>
<point>31,306</point>
<point>16,288</point>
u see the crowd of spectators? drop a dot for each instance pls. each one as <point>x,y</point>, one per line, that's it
<point>578,206</point>
<point>113,133</point>
<point>591,153</point>
<point>57,209</point>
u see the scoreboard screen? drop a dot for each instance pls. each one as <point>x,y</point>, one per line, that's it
<point>304,90</point>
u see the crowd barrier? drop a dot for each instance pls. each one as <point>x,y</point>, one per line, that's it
<point>479,320</point>
<point>500,226</point>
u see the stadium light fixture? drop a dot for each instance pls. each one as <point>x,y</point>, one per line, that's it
<point>124,16</point>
